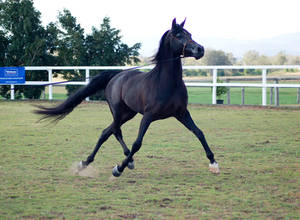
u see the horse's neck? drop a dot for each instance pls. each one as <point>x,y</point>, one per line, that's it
<point>170,72</point>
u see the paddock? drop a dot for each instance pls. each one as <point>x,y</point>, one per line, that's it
<point>257,149</point>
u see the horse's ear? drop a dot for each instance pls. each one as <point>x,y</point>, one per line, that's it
<point>174,23</point>
<point>182,24</point>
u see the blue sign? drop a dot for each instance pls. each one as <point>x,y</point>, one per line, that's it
<point>12,75</point>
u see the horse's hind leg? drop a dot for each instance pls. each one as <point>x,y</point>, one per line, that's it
<point>121,115</point>
<point>118,134</point>
<point>119,137</point>
<point>105,135</point>
<point>147,119</point>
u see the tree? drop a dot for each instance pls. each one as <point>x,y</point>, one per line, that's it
<point>217,58</point>
<point>26,43</point>
<point>106,49</point>
<point>294,60</point>
<point>211,57</point>
<point>71,47</point>
<point>280,58</point>
<point>251,57</point>
<point>103,47</point>
<point>3,47</point>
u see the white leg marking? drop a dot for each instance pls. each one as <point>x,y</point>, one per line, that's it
<point>214,168</point>
<point>80,166</point>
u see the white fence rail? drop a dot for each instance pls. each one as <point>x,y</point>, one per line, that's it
<point>263,85</point>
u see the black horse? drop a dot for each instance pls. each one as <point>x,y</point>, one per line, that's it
<point>156,95</point>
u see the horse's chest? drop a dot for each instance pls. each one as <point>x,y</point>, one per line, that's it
<point>170,106</point>
<point>177,101</point>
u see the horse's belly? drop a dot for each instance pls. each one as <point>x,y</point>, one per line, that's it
<point>134,103</point>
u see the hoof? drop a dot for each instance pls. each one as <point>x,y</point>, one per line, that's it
<point>130,165</point>
<point>116,172</point>
<point>214,168</point>
<point>81,166</point>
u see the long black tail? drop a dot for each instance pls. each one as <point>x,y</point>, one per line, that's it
<point>99,82</point>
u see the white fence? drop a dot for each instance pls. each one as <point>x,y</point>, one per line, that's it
<point>263,85</point>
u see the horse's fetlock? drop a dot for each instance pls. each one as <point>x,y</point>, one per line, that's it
<point>90,159</point>
<point>211,157</point>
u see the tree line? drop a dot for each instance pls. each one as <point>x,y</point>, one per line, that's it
<point>251,57</point>
<point>25,42</point>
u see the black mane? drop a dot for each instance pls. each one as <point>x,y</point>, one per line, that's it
<point>159,55</point>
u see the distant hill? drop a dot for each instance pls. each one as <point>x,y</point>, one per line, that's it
<point>289,43</point>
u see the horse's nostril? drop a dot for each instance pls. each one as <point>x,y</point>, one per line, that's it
<point>200,49</point>
<point>199,52</point>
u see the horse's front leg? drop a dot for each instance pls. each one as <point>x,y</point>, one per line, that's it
<point>188,122</point>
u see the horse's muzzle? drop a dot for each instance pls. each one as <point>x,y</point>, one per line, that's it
<point>198,52</point>
<point>194,50</point>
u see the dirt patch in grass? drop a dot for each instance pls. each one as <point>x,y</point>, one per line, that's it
<point>89,171</point>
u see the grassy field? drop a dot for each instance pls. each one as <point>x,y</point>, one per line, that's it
<point>258,150</point>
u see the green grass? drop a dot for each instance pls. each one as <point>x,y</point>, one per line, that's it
<point>257,150</point>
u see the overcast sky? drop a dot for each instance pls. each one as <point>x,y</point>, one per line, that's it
<point>146,21</point>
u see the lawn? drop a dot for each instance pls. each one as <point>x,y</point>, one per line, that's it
<point>258,150</point>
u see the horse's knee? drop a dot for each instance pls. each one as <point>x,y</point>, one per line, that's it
<point>106,133</point>
<point>198,133</point>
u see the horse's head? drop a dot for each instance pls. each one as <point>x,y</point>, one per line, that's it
<point>182,43</point>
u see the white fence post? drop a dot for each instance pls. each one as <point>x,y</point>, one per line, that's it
<point>298,96</point>
<point>87,80</point>
<point>264,87</point>
<point>214,88</point>
<point>12,92</point>
<point>50,86</point>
